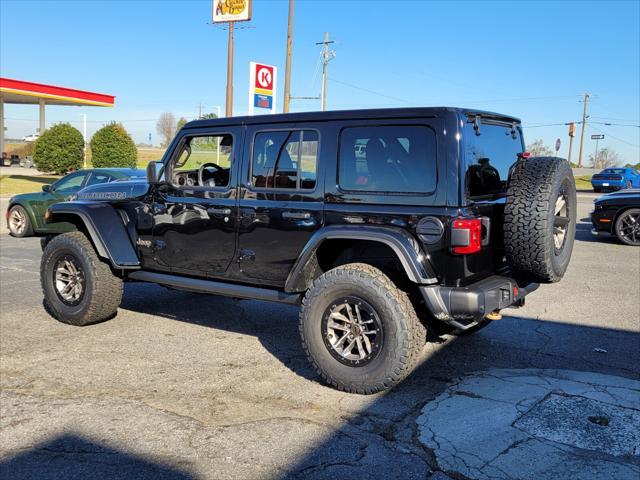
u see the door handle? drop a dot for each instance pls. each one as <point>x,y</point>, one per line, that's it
<point>296,215</point>
<point>219,211</point>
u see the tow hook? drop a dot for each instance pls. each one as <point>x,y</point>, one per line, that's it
<point>495,315</point>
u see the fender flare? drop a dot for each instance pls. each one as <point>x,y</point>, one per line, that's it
<point>405,247</point>
<point>104,226</point>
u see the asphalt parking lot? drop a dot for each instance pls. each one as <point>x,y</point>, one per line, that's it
<point>187,386</point>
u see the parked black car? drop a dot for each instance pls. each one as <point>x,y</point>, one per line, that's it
<point>618,214</point>
<point>374,221</point>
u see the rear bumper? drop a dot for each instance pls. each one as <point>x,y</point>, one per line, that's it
<point>607,183</point>
<point>475,301</point>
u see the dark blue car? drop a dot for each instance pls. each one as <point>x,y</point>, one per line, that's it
<point>615,179</point>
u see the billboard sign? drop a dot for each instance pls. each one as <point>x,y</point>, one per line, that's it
<point>262,88</point>
<point>231,11</point>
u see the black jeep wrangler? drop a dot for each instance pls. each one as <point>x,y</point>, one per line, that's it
<point>376,222</point>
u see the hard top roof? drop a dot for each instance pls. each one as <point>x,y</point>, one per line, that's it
<point>346,115</point>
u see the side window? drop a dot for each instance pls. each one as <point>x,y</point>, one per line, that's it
<point>70,182</point>
<point>489,157</point>
<point>399,159</point>
<point>213,151</point>
<point>98,178</point>
<point>285,159</point>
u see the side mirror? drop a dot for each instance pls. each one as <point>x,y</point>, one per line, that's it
<point>46,188</point>
<point>154,170</point>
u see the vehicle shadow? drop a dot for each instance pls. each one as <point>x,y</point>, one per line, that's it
<point>379,441</point>
<point>583,234</point>
<point>71,456</point>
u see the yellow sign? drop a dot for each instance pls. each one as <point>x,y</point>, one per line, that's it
<point>231,11</point>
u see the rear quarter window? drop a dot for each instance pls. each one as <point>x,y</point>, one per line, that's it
<point>388,159</point>
<point>489,157</point>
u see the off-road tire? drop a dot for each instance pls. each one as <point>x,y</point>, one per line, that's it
<point>404,335</point>
<point>102,289</point>
<point>597,190</point>
<point>27,229</point>
<point>534,187</point>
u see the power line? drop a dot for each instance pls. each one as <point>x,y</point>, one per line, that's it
<point>616,119</point>
<point>373,92</point>
<point>613,136</point>
<point>616,124</point>
<point>567,123</point>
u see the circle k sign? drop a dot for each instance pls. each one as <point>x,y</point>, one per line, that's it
<point>264,77</point>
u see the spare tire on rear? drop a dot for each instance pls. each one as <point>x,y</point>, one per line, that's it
<point>540,218</point>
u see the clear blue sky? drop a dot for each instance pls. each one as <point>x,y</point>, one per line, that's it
<point>529,59</point>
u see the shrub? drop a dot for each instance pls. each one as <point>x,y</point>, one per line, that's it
<point>112,146</point>
<point>59,149</point>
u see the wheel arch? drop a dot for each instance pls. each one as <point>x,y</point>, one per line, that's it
<point>329,243</point>
<point>103,227</point>
<point>618,214</point>
<point>27,208</point>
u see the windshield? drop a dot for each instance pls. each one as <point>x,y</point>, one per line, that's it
<point>614,170</point>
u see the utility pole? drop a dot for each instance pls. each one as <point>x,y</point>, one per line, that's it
<point>572,132</point>
<point>229,107</point>
<point>199,110</point>
<point>287,71</point>
<point>584,123</point>
<point>326,57</point>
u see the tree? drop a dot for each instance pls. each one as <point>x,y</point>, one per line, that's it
<point>112,146</point>
<point>209,116</point>
<point>181,123</point>
<point>539,149</point>
<point>636,166</point>
<point>606,157</point>
<point>59,149</point>
<point>166,127</point>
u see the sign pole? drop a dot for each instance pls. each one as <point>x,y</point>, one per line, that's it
<point>229,106</point>
<point>84,137</point>
<point>287,72</point>
<point>595,155</point>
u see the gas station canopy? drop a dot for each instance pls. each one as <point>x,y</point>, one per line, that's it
<point>20,92</point>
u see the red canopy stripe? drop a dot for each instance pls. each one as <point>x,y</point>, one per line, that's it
<point>41,90</point>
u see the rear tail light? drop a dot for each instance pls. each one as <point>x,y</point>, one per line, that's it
<point>467,235</point>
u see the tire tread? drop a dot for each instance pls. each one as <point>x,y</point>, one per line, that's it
<point>413,331</point>
<point>107,288</point>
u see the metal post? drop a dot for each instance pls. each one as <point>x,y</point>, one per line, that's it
<point>1,127</point>
<point>42,122</point>
<point>287,71</point>
<point>84,136</point>
<point>218,154</point>
<point>584,122</point>
<point>595,155</point>
<point>229,106</point>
